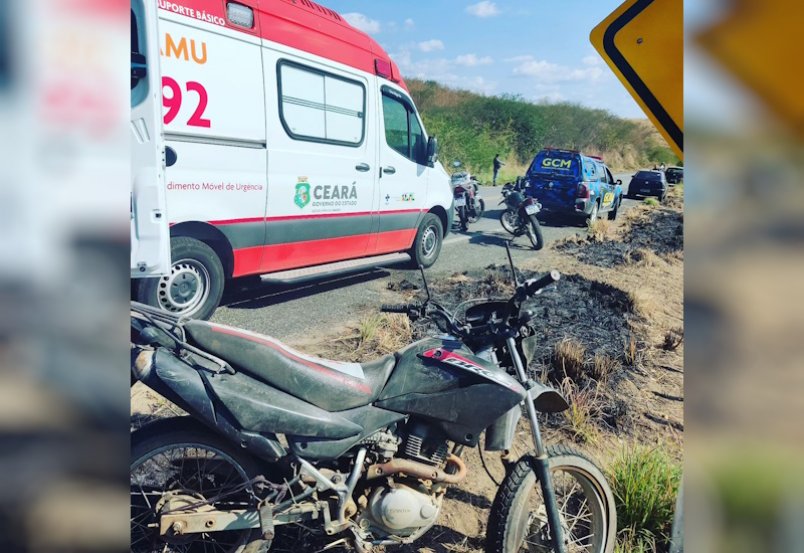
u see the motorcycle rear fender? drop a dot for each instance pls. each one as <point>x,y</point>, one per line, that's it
<point>182,384</point>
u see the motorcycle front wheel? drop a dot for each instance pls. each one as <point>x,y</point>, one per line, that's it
<point>509,221</point>
<point>534,232</point>
<point>518,518</point>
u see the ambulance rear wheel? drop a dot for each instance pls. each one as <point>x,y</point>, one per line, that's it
<point>195,284</point>
<point>428,241</point>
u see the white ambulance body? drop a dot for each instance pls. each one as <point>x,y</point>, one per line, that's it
<point>290,141</point>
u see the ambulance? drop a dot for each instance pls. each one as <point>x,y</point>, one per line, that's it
<point>270,136</point>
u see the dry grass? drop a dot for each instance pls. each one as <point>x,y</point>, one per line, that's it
<point>373,336</point>
<point>644,302</point>
<point>147,406</point>
<point>631,352</point>
<point>642,257</point>
<point>603,366</point>
<point>585,405</point>
<point>568,359</point>
<point>600,230</point>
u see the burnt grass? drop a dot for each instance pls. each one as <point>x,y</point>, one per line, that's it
<point>660,231</point>
<point>590,312</point>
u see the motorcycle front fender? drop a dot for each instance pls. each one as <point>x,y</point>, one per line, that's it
<point>547,399</point>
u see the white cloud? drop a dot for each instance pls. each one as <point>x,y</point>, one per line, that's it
<point>548,72</point>
<point>440,70</point>
<point>483,9</point>
<point>592,60</point>
<point>471,60</point>
<point>431,45</point>
<point>517,59</point>
<point>409,23</point>
<point>360,21</point>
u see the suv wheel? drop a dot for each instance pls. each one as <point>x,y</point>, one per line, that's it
<point>593,215</point>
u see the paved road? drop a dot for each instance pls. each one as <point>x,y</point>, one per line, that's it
<point>296,312</point>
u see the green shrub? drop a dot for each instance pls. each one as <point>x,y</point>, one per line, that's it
<point>473,128</point>
<point>651,201</point>
<point>645,483</point>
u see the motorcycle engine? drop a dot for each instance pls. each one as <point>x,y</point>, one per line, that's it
<point>403,506</point>
<point>401,510</point>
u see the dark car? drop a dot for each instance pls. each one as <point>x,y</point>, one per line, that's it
<point>674,175</point>
<point>648,183</point>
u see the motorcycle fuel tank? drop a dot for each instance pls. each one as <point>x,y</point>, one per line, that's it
<point>439,379</point>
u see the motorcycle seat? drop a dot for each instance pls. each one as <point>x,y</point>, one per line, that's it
<point>330,385</point>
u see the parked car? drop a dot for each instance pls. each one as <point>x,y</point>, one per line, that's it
<point>568,182</point>
<point>674,175</point>
<point>648,183</point>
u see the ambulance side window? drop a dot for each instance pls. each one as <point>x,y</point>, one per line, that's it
<point>396,125</point>
<point>403,132</point>
<point>317,106</point>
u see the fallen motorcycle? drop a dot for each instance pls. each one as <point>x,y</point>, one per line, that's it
<point>519,215</point>
<point>367,451</point>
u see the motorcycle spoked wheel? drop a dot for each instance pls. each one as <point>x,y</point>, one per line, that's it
<point>518,518</point>
<point>175,465</point>
<point>509,221</point>
<point>476,214</point>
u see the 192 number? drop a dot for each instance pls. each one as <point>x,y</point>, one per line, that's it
<point>172,103</point>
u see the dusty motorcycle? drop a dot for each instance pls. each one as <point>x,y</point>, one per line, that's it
<point>519,215</point>
<point>357,453</point>
<point>469,203</point>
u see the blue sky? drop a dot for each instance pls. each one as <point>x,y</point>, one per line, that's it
<point>539,50</point>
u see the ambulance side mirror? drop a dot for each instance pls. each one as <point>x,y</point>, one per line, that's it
<point>432,151</point>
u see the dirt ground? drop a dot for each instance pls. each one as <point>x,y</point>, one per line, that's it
<point>611,339</point>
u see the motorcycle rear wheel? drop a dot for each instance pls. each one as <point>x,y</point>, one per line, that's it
<point>508,220</point>
<point>518,520</point>
<point>175,463</point>
<point>477,213</point>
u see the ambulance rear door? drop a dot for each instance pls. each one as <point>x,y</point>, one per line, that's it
<point>150,236</point>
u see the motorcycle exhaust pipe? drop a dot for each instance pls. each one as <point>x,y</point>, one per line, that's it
<point>419,470</point>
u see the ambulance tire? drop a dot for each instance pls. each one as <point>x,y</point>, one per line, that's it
<point>195,285</point>
<point>427,244</point>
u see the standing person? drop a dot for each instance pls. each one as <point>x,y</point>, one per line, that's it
<point>497,164</point>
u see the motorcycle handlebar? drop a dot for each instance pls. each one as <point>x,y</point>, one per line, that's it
<point>534,286</point>
<point>396,308</point>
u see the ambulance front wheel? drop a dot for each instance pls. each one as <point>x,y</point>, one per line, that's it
<point>427,244</point>
<point>195,284</point>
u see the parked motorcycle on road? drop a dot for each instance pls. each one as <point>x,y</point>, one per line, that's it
<point>519,215</point>
<point>469,203</point>
<point>368,450</point>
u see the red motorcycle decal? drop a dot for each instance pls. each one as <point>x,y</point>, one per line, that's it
<point>451,358</point>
